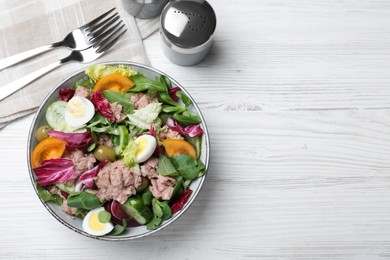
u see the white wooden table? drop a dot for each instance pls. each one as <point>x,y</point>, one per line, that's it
<point>296,95</point>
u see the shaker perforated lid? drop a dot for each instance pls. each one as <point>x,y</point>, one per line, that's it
<point>188,23</point>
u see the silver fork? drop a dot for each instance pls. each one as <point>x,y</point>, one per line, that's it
<point>99,48</point>
<point>79,39</point>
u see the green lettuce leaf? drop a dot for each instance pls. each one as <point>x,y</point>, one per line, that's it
<point>96,72</point>
<point>129,153</point>
<point>145,116</point>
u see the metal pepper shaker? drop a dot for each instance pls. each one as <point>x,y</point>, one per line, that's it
<point>144,8</point>
<point>187,28</point>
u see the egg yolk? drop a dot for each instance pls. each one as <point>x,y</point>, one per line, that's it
<point>94,222</point>
<point>76,108</point>
<point>141,145</point>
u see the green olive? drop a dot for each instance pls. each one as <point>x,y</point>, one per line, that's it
<point>144,184</point>
<point>103,152</point>
<point>41,133</point>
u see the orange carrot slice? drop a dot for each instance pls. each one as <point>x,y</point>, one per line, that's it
<point>114,82</point>
<point>176,146</point>
<point>49,148</point>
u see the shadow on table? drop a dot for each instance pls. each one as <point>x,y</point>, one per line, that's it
<point>214,57</point>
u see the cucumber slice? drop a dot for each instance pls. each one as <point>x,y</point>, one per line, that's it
<point>55,115</point>
<point>135,208</point>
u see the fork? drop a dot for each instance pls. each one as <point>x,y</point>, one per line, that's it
<point>79,39</point>
<point>99,48</point>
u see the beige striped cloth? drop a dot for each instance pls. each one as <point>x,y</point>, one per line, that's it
<point>29,24</point>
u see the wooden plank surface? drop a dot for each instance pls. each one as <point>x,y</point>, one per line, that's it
<point>296,98</point>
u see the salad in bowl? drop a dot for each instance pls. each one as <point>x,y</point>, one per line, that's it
<point>118,151</point>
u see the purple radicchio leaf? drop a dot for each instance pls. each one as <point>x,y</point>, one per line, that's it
<point>55,171</point>
<point>87,178</point>
<point>73,140</point>
<point>191,130</point>
<point>65,94</point>
<point>103,106</point>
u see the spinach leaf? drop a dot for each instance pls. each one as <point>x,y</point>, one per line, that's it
<point>164,117</point>
<point>113,96</point>
<point>46,196</point>
<point>142,83</point>
<point>104,216</point>
<point>167,80</point>
<point>156,208</point>
<point>172,109</point>
<point>186,184</point>
<point>196,141</point>
<point>187,118</point>
<point>103,129</point>
<point>167,212</point>
<point>118,229</point>
<point>98,119</point>
<point>81,213</point>
<point>92,146</point>
<point>115,140</point>
<point>161,211</point>
<point>154,223</point>
<point>187,166</point>
<point>178,188</point>
<point>165,167</point>
<point>202,169</point>
<point>186,100</point>
<point>83,200</point>
<point>100,124</point>
<point>147,197</point>
<point>166,98</point>
<point>68,187</point>
<point>160,81</point>
<point>85,82</point>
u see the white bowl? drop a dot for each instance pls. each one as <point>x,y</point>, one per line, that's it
<point>76,223</point>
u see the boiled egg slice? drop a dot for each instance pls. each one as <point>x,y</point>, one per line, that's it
<point>78,111</point>
<point>146,144</point>
<point>93,226</point>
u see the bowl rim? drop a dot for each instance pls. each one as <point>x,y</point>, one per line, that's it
<point>167,222</point>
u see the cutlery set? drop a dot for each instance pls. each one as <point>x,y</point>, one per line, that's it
<point>87,43</point>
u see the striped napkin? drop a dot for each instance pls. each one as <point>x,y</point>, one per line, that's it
<point>30,24</point>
